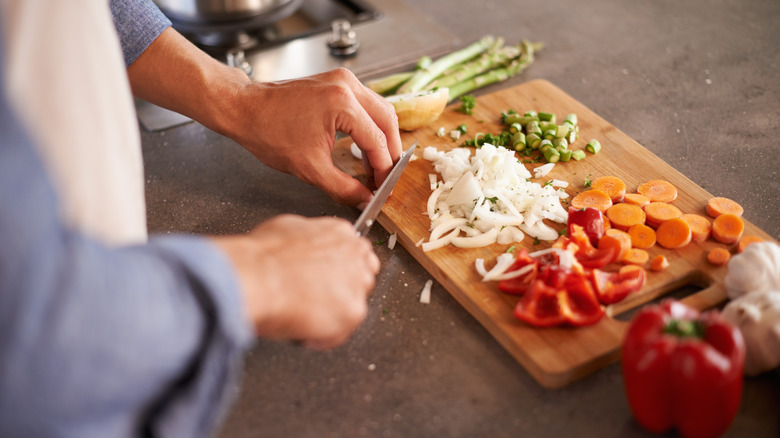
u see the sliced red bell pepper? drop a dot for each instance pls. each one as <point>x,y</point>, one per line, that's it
<point>612,287</point>
<point>574,303</point>
<point>683,370</point>
<point>591,221</point>
<point>519,285</point>
<point>587,255</point>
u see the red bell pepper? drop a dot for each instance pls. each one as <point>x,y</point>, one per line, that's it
<point>573,303</point>
<point>683,370</point>
<point>591,221</point>
<point>613,287</point>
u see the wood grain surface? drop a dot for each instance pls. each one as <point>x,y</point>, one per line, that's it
<point>554,356</point>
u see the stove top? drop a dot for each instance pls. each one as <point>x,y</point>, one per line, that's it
<point>371,38</point>
<point>379,36</point>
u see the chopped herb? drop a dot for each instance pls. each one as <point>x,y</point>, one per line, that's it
<point>536,241</point>
<point>463,128</point>
<point>380,242</point>
<point>548,183</point>
<point>467,104</point>
<point>492,199</point>
<point>562,232</point>
<point>588,180</point>
<point>510,249</point>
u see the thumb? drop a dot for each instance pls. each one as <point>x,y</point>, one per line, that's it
<point>343,188</point>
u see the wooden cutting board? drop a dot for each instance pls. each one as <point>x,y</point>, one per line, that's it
<point>560,355</point>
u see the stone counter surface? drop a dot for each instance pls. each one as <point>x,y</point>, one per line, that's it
<point>696,82</point>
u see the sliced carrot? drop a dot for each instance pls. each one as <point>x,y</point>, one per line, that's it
<point>727,228</point>
<point>607,223</point>
<point>642,236</point>
<point>747,240</point>
<point>658,190</point>
<point>700,226</point>
<point>718,256</point>
<point>673,233</point>
<point>637,199</point>
<point>718,205</point>
<point>636,256</point>
<point>658,212</point>
<point>619,240</point>
<point>624,215</point>
<point>613,186</point>
<point>592,198</point>
<point>659,263</point>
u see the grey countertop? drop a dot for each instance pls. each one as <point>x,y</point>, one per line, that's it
<point>695,82</point>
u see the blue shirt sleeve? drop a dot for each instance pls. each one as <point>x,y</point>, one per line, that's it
<point>138,22</point>
<point>141,340</point>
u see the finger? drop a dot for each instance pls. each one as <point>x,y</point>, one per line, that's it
<point>341,187</point>
<point>371,140</point>
<point>383,114</point>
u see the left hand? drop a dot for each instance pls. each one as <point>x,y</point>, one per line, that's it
<point>291,126</point>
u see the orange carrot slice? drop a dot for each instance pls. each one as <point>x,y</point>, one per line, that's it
<point>642,236</point>
<point>673,233</point>
<point>718,205</point>
<point>747,240</point>
<point>718,256</point>
<point>619,240</point>
<point>660,212</point>
<point>659,263</point>
<point>727,228</point>
<point>637,199</point>
<point>592,198</point>
<point>658,190</point>
<point>636,256</point>
<point>700,226</point>
<point>613,186</point>
<point>623,215</point>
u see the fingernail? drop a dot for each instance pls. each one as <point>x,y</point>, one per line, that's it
<point>362,206</point>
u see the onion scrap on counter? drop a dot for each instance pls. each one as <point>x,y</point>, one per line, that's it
<point>489,198</point>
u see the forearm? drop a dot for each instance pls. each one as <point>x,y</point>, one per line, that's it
<point>175,74</point>
<point>101,341</point>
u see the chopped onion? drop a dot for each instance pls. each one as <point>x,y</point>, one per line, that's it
<point>490,191</point>
<point>425,295</point>
<point>543,170</point>
<point>356,152</point>
<point>498,272</point>
<point>392,240</point>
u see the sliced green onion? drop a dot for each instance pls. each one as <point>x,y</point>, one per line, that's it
<point>533,140</point>
<point>551,155</point>
<point>578,155</point>
<point>547,117</point>
<point>593,146</point>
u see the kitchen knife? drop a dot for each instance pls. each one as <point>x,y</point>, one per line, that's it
<point>366,219</point>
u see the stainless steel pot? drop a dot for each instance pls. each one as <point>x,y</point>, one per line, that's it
<point>205,16</point>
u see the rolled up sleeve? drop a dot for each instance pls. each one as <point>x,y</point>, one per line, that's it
<point>138,22</point>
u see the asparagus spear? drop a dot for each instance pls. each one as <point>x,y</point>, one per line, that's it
<point>484,63</point>
<point>498,74</point>
<point>423,77</point>
<point>389,84</point>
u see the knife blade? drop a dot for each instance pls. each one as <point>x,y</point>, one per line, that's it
<point>369,214</point>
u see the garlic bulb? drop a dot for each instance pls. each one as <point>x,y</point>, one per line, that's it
<point>757,315</point>
<point>757,269</point>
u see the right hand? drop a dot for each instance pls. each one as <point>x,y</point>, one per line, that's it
<point>304,279</point>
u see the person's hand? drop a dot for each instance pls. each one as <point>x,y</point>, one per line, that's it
<point>304,279</point>
<point>291,126</point>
